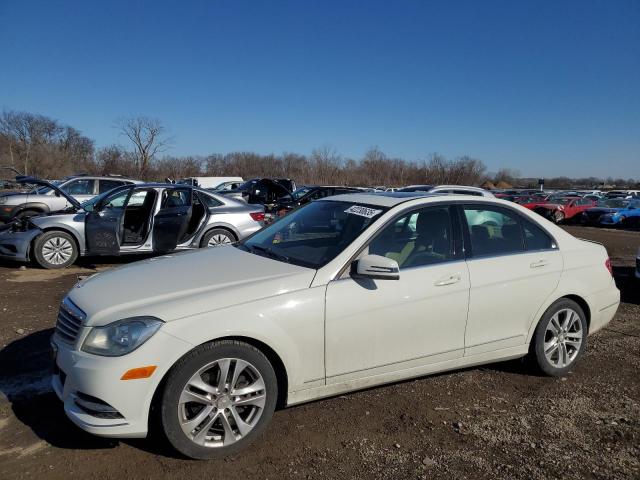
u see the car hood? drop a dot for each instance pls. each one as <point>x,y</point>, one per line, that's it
<point>37,181</point>
<point>184,284</point>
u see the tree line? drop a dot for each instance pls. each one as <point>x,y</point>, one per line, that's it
<point>38,145</point>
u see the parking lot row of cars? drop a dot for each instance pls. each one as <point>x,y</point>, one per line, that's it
<point>54,223</point>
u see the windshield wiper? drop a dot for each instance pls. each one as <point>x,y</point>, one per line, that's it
<point>271,253</point>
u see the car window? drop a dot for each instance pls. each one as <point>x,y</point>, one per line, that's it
<point>106,185</point>
<point>174,198</point>
<point>466,192</point>
<point>312,236</point>
<point>493,231</point>
<point>116,200</point>
<point>422,237</point>
<point>82,186</point>
<point>208,200</point>
<point>138,197</point>
<point>535,238</point>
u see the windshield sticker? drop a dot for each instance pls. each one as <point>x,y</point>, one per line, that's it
<point>362,211</point>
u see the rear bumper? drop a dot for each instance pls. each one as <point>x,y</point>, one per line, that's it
<point>603,305</point>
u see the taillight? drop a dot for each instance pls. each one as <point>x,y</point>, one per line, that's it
<point>607,264</point>
<point>257,216</point>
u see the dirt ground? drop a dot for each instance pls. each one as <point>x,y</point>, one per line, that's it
<point>496,421</point>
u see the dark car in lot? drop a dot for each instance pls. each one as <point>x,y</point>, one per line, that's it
<point>263,191</point>
<point>307,194</point>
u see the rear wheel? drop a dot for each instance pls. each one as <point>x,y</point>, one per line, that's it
<point>218,399</point>
<point>560,338</point>
<point>217,237</point>
<point>558,217</point>
<point>55,249</point>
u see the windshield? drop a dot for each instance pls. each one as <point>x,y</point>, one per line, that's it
<point>315,234</point>
<point>89,205</point>
<point>42,190</point>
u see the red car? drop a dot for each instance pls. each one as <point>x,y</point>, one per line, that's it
<point>559,209</point>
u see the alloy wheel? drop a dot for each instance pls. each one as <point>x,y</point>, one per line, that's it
<point>219,239</point>
<point>563,338</point>
<point>57,250</point>
<point>222,402</point>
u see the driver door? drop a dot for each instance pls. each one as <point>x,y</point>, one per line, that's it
<point>103,225</point>
<point>172,220</point>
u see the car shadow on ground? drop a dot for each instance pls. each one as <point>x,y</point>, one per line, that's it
<point>25,377</point>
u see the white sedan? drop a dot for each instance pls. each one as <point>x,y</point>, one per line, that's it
<point>345,293</point>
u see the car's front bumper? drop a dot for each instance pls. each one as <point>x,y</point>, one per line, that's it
<point>16,244</point>
<point>84,380</point>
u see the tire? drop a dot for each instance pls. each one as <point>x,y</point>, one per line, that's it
<point>208,416</point>
<point>217,237</point>
<point>55,249</point>
<point>558,217</point>
<point>568,319</point>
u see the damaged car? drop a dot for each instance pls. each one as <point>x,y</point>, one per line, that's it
<point>141,218</point>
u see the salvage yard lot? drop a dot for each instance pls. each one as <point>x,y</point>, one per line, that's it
<point>496,421</point>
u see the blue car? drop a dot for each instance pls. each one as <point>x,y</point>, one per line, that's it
<point>626,217</point>
<point>610,211</point>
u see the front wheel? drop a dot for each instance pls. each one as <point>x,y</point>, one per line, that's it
<point>55,249</point>
<point>560,338</point>
<point>218,399</point>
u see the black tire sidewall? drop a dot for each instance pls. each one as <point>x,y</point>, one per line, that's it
<point>41,239</point>
<point>215,231</point>
<point>539,334</point>
<point>182,372</point>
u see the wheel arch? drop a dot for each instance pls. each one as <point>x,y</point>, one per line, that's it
<point>273,357</point>
<point>64,230</point>
<point>569,296</point>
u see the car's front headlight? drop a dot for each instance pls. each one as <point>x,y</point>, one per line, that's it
<point>121,337</point>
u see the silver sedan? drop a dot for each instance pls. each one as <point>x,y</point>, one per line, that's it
<point>146,218</point>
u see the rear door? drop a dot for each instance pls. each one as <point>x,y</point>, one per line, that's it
<point>172,220</point>
<point>103,225</point>
<point>514,265</point>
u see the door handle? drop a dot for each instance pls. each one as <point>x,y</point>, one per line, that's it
<point>448,280</point>
<point>539,263</point>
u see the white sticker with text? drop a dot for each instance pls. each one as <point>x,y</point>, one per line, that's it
<point>363,211</point>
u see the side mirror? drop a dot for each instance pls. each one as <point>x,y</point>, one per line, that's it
<point>375,267</point>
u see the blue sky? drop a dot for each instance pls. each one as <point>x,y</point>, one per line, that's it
<point>545,87</point>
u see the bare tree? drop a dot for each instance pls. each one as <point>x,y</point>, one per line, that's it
<point>148,138</point>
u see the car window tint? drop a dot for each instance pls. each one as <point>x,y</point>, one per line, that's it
<point>535,238</point>
<point>174,198</point>
<point>493,231</point>
<point>422,237</point>
<point>79,187</point>
<point>209,201</point>
<point>106,185</point>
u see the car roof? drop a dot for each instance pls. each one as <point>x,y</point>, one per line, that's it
<point>391,199</point>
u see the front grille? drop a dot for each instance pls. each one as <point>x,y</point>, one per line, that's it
<point>70,320</point>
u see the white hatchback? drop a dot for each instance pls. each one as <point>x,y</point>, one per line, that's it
<point>345,293</point>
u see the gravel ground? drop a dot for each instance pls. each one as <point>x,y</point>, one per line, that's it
<point>496,421</point>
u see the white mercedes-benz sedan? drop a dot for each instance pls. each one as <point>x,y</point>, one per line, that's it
<point>344,293</point>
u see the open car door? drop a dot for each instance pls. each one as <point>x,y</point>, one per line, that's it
<point>172,220</point>
<point>103,225</point>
